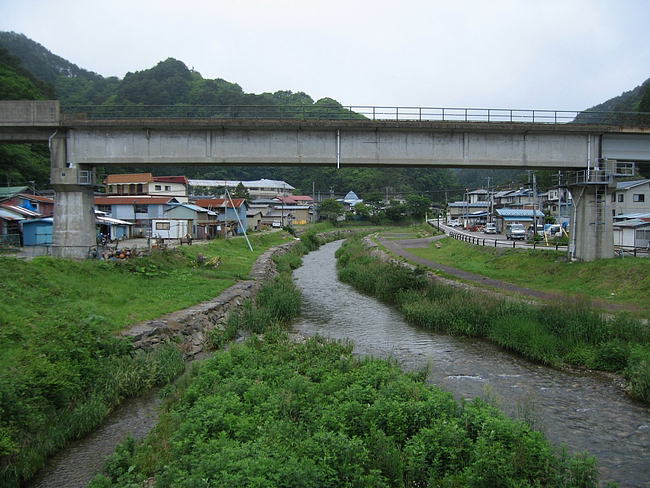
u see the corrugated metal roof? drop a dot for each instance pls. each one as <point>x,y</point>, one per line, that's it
<point>632,223</point>
<point>37,198</point>
<point>465,204</point>
<point>626,185</point>
<point>632,216</point>
<point>220,202</point>
<point>110,220</point>
<point>191,206</point>
<point>9,215</point>
<point>171,179</point>
<point>518,212</point>
<point>263,183</point>
<point>22,211</point>
<point>10,191</point>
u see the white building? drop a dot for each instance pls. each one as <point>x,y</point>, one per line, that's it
<point>257,189</point>
<point>631,197</point>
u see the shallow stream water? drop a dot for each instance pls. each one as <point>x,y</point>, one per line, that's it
<point>585,411</point>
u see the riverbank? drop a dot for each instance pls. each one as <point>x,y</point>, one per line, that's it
<point>272,412</point>
<point>63,367</point>
<point>556,335</point>
<point>612,284</point>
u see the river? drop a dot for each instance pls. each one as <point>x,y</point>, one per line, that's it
<point>587,412</point>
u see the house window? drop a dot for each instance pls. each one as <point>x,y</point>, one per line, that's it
<point>158,187</point>
<point>162,225</point>
<point>620,197</point>
<point>104,208</point>
<point>168,188</point>
<point>638,197</point>
<point>140,208</point>
<point>613,197</point>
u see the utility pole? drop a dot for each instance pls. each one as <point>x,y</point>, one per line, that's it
<point>534,206</point>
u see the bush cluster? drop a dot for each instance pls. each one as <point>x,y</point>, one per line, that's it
<point>271,413</point>
<point>558,334</point>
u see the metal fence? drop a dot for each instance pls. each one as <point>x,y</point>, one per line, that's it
<point>483,241</point>
<point>359,112</point>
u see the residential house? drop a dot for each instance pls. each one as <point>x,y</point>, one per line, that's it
<point>458,210</point>
<point>631,197</point>
<point>558,203</point>
<point>138,210</point>
<point>42,205</point>
<point>254,218</point>
<point>521,198</point>
<point>181,219</point>
<point>256,188</point>
<point>230,212</point>
<point>11,217</point>
<point>289,215</point>
<point>478,196</point>
<point>140,184</point>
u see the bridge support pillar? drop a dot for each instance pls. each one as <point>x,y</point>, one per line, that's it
<point>592,234</point>
<point>74,232</point>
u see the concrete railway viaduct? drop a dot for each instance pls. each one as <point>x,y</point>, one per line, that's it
<point>588,154</point>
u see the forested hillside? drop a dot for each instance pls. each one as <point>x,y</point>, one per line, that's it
<point>22,163</point>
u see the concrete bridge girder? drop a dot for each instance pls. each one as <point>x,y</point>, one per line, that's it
<point>321,147</point>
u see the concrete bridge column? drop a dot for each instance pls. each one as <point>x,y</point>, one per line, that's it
<point>592,235</point>
<point>74,218</point>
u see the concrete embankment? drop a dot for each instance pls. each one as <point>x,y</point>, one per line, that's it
<point>190,327</point>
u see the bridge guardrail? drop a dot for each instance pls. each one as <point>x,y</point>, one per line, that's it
<point>360,112</point>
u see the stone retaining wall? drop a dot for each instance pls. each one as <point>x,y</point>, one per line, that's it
<point>190,327</point>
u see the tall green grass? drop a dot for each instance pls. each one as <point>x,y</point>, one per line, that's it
<point>559,334</point>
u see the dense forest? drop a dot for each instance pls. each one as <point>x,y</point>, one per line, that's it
<point>29,71</point>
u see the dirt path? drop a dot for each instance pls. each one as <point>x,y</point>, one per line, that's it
<point>399,248</point>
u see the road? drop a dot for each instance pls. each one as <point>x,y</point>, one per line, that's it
<point>493,240</point>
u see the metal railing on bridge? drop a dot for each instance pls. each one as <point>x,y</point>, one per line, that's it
<point>358,112</point>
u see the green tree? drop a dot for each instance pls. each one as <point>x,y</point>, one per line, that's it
<point>417,205</point>
<point>396,211</point>
<point>330,209</point>
<point>241,191</point>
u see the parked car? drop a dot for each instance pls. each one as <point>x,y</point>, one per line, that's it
<point>515,231</point>
<point>276,223</point>
<point>454,223</point>
<point>554,230</point>
<point>530,231</point>
<point>490,228</point>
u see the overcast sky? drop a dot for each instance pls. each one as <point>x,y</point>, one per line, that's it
<point>555,54</point>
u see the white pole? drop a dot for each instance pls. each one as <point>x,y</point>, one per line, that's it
<point>238,220</point>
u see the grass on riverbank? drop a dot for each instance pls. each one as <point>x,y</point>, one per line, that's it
<point>625,281</point>
<point>63,369</point>
<point>552,334</point>
<point>272,413</point>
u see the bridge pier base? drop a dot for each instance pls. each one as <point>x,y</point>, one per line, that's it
<point>592,235</point>
<point>74,232</point>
